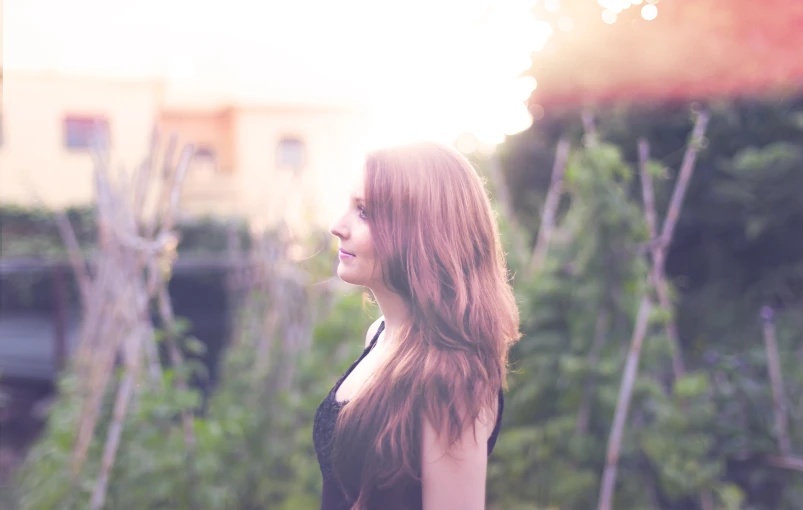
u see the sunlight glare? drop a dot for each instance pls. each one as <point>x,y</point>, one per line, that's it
<point>566,24</point>
<point>466,143</point>
<point>552,5</point>
<point>608,17</point>
<point>649,12</point>
<point>471,85</point>
<point>417,69</point>
<point>537,112</point>
<point>615,6</point>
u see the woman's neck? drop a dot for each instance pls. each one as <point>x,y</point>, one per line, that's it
<point>394,308</point>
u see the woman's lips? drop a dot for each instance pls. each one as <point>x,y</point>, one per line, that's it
<point>343,254</point>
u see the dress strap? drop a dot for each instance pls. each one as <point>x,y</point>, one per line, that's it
<point>379,331</point>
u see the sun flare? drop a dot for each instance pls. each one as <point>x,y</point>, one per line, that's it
<point>421,69</point>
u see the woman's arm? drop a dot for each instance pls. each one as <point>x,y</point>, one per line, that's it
<point>453,477</point>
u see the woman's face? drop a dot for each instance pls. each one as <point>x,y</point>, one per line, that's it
<point>356,255</point>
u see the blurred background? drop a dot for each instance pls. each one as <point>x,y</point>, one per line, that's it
<point>169,314</point>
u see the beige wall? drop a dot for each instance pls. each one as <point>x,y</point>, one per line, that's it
<point>331,139</point>
<point>209,189</point>
<point>1,60</point>
<point>34,162</point>
<point>248,182</point>
<point>212,129</point>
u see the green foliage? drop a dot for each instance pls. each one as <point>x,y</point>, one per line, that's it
<point>594,267</point>
<point>253,443</point>
<point>737,248</point>
<point>32,232</point>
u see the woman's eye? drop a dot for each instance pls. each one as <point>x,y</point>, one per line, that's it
<point>363,213</point>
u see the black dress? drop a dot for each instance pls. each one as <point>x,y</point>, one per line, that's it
<point>332,497</point>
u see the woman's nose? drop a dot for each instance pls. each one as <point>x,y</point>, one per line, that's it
<point>339,228</point>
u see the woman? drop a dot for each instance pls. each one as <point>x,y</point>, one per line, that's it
<point>411,424</point>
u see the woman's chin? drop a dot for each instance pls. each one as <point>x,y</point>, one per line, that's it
<point>347,276</point>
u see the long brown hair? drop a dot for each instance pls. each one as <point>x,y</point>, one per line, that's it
<point>435,236</point>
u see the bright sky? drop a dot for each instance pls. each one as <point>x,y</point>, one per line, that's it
<point>435,67</point>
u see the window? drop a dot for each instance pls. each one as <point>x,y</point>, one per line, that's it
<point>205,159</point>
<point>292,154</point>
<point>81,132</point>
<point>205,153</point>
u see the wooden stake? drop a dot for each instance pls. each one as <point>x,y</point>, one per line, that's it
<point>142,178</point>
<point>177,359</point>
<point>117,318</point>
<point>124,395</point>
<point>707,500</point>
<point>785,462</point>
<point>657,250</point>
<point>686,169</point>
<point>614,441</point>
<point>550,207</point>
<point>59,319</point>
<point>622,405</point>
<point>75,256</point>
<point>591,137</point>
<point>600,331</point>
<point>776,380</point>
<point>506,203</point>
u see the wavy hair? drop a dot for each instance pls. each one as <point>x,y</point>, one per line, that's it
<point>436,239</point>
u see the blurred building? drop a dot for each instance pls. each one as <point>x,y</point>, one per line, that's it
<point>263,162</point>
<point>260,162</point>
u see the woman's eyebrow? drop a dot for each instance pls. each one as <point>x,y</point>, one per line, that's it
<point>357,199</point>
